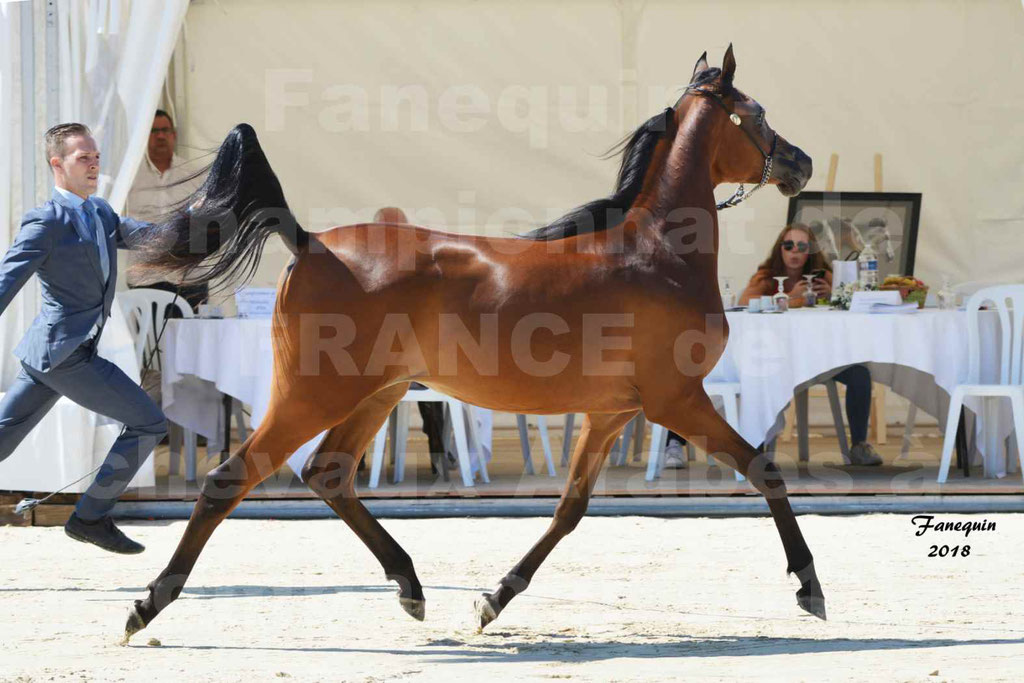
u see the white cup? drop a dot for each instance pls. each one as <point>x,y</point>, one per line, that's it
<point>210,311</point>
<point>766,303</point>
<point>754,306</point>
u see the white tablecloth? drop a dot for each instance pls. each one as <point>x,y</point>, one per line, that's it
<point>921,355</point>
<point>204,359</point>
<point>70,440</point>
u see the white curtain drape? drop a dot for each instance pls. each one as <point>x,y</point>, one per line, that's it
<point>98,62</point>
<point>101,63</point>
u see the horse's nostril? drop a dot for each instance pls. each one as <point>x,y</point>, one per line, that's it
<point>804,161</point>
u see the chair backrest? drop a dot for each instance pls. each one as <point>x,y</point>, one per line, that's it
<point>146,311</point>
<point>138,324</point>
<point>1008,303</point>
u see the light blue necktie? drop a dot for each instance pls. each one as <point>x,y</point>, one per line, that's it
<point>99,237</point>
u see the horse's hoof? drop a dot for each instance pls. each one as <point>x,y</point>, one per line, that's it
<point>813,604</point>
<point>486,611</point>
<point>417,609</point>
<point>134,624</point>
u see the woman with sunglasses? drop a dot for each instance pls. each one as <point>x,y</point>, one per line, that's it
<point>796,253</point>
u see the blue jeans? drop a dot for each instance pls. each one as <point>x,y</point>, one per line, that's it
<point>857,379</point>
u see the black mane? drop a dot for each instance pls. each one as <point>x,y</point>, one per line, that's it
<point>607,212</point>
<point>637,151</point>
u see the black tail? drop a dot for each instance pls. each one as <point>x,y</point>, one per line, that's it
<point>220,230</point>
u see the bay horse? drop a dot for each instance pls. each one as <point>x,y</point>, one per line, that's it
<point>514,324</point>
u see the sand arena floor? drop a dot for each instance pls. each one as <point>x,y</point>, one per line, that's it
<point>620,599</point>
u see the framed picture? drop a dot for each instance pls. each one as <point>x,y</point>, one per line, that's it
<point>844,222</point>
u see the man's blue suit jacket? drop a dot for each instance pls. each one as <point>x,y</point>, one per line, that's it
<point>54,243</point>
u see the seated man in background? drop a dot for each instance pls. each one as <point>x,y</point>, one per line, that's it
<point>162,182</point>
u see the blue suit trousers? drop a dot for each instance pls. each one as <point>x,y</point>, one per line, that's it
<point>100,386</point>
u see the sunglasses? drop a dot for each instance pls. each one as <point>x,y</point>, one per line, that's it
<point>789,245</point>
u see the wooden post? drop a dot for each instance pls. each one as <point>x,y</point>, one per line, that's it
<point>833,166</point>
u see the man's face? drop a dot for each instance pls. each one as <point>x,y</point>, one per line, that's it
<point>79,170</point>
<point>162,138</point>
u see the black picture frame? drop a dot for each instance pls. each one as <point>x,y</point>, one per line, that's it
<point>898,212</point>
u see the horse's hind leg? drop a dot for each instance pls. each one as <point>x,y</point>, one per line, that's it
<point>597,435</point>
<point>285,428</point>
<point>697,417</point>
<point>331,472</point>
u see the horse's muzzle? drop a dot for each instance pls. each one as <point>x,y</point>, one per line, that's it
<point>793,170</point>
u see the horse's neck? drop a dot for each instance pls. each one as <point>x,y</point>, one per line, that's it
<point>681,197</point>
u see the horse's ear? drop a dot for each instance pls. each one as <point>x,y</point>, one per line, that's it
<point>700,66</point>
<point>728,66</point>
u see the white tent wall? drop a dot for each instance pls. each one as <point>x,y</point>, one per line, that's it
<point>520,99</point>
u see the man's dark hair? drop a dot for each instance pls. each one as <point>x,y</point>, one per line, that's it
<point>161,112</point>
<point>56,138</point>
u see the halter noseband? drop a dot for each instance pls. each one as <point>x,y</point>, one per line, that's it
<point>740,195</point>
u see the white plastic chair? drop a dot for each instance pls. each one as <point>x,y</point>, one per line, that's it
<point>963,289</point>
<point>142,309</point>
<point>1011,372</point>
<point>146,310</point>
<point>463,428</point>
<point>632,436</point>
<point>545,442</point>
<point>800,405</point>
<point>729,393</point>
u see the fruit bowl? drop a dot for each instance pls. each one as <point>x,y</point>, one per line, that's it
<point>910,288</point>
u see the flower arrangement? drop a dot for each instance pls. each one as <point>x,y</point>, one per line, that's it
<point>843,295</point>
<point>910,288</point>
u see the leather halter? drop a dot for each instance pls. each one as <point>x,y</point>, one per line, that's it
<point>740,195</point>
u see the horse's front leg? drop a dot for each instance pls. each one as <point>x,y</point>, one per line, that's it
<point>596,438</point>
<point>695,417</point>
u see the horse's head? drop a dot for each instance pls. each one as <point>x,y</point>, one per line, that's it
<point>749,150</point>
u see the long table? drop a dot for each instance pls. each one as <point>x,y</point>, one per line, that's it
<point>921,356</point>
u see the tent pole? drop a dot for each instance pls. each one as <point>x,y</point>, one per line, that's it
<point>28,109</point>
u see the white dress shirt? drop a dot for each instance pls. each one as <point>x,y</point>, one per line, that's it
<point>154,193</point>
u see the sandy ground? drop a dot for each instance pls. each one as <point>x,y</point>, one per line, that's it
<point>620,599</point>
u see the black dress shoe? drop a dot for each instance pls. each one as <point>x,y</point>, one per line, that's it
<point>103,534</point>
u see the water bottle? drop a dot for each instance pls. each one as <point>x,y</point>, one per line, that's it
<point>867,268</point>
